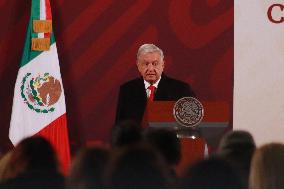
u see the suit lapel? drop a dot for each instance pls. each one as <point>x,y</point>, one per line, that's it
<point>161,92</point>
<point>140,92</point>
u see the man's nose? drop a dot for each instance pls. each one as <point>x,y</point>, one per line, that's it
<point>150,67</point>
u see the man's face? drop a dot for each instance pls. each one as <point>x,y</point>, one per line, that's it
<point>150,66</point>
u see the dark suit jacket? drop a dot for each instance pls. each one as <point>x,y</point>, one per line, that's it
<point>132,98</point>
<point>35,179</point>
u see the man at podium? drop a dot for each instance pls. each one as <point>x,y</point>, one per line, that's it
<point>153,85</point>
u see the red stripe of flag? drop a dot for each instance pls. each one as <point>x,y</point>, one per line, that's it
<point>57,134</point>
<point>48,15</point>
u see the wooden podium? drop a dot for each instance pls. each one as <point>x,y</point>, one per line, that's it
<point>195,143</point>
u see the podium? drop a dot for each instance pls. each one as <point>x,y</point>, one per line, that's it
<point>195,143</point>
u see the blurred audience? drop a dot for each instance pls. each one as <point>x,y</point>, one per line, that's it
<point>145,161</point>
<point>267,167</point>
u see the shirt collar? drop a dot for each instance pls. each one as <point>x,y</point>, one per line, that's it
<point>147,84</point>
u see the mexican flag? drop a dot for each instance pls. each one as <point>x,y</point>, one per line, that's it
<point>39,101</point>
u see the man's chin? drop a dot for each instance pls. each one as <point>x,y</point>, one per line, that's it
<point>151,80</point>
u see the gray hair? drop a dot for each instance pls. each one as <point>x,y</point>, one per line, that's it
<point>149,48</point>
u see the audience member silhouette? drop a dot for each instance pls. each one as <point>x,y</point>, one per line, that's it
<point>137,167</point>
<point>212,173</point>
<point>267,167</point>
<point>126,133</point>
<point>237,147</point>
<point>167,143</point>
<point>87,169</point>
<point>34,164</point>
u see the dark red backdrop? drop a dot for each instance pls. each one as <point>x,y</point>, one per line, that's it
<point>97,42</point>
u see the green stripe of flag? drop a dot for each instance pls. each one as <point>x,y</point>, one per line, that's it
<point>35,13</point>
<point>35,9</point>
<point>28,54</point>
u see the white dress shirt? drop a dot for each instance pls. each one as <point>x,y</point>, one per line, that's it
<point>147,84</point>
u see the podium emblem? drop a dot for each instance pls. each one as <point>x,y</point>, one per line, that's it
<point>188,112</point>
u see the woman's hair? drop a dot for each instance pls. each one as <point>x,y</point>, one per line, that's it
<point>237,147</point>
<point>267,167</point>
<point>5,166</point>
